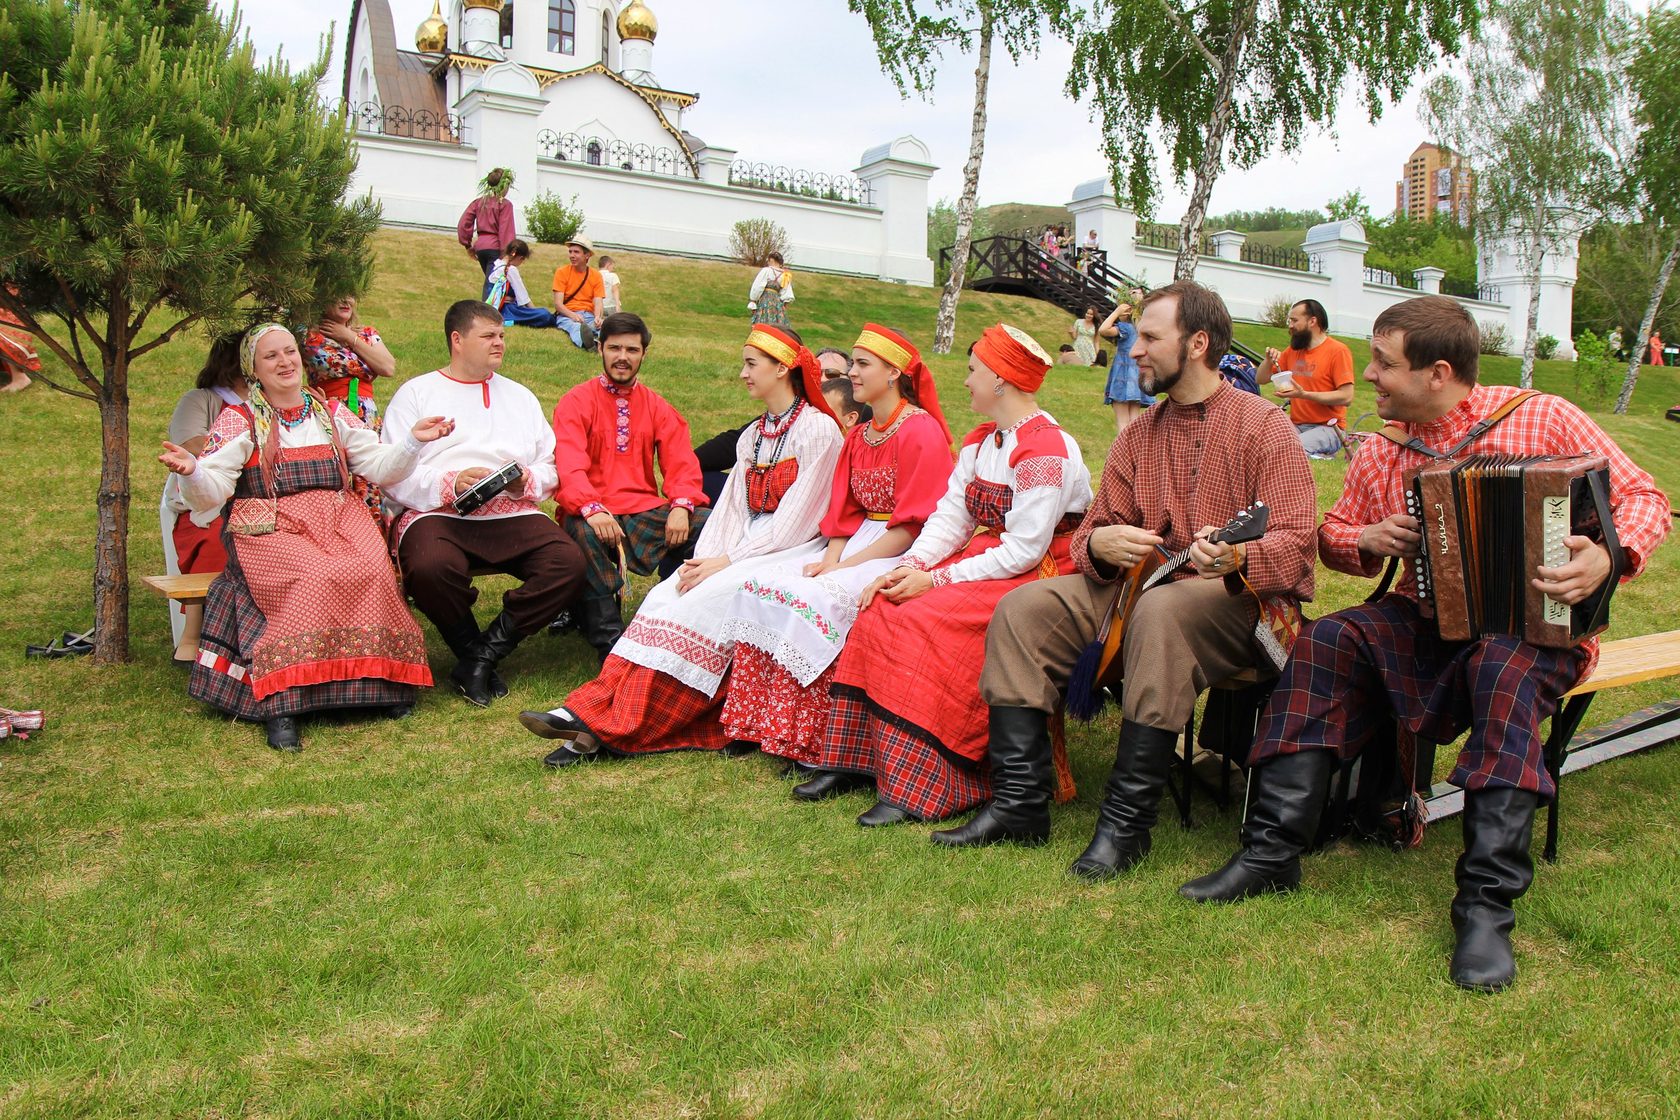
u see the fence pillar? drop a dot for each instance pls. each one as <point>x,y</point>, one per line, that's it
<point>500,116</point>
<point>1228,243</point>
<point>1500,265</point>
<point>1337,251</point>
<point>1093,208</point>
<point>897,175</point>
<point>715,163</point>
<point>1429,279</point>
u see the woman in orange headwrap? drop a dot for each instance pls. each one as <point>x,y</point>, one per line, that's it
<point>789,623</point>
<point>659,688</point>
<point>907,715</point>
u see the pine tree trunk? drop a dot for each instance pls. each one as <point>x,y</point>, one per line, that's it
<point>1536,255</point>
<point>1645,326</point>
<point>945,329</point>
<point>110,566</point>
<point>1213,145</point>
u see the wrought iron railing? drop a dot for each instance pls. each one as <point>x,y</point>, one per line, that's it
<point>399,120</point>
<point>1488,293</point>
<point>1159,235</point>
<point>1383,276</point>
<point>598,151</point>
<point>1278,256</point>
<point>810,184</point>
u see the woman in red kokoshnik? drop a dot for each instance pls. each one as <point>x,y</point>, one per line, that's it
<point>790,622</point>
<point>660,689</point>
<point>908,718</point>
<point>307,615</point>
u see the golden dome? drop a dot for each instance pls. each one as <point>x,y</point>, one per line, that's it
<point>637,22</point>
<point>493,5</point>
<point>433,34</point>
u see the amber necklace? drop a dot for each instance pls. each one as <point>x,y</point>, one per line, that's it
<point>903,402</point>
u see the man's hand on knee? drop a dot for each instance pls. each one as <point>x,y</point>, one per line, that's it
<point>605,527</point>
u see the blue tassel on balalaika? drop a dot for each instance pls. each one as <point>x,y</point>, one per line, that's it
<point>1085,698</point>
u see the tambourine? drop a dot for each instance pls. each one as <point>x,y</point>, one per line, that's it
<point>486,488</point>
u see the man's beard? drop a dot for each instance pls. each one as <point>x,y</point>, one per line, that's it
<point>1154,382</point>
<point>1300,340</point>
<point>618,376</point>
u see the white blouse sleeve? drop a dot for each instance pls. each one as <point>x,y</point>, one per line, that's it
<point>950,526</point>
<point>208,488</point>
<point>379,463</point>
<point>1045,489</point>
<point>516,283</point>
<point>815,442</point>
<point>765,275</point>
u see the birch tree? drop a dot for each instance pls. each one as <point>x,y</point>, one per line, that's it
<point>1655,177</point>
<point>1229,82</point>
<point>153,177</point>
<point>1535,110</point>
<point>909,42</point>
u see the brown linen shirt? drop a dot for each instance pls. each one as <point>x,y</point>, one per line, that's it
<point>1180,467</point>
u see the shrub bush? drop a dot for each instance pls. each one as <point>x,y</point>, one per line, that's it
<point>552,220</point>
<point>1595,369</point>
<point>1495,338</point>
<point>1275,313</point>
<point>1545,347</point>
<point>754,239</point>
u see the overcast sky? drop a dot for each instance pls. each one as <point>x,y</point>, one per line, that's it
<point>797,83</point>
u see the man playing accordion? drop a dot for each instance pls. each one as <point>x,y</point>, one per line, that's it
<point>1348,666</point>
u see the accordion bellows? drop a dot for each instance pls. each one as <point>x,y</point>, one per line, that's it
<point>1488,522</point>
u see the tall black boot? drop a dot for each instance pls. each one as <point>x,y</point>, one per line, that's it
<point>1019,750</point>
<point>1131,802</point>
<point>460,637</point>
<point>602,623</point>
<point>1494,871</point>
<point>1287,798</point>
<point>474,673</point>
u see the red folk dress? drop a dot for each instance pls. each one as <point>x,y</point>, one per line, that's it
<point>789,627</point>
<point>906,692</point>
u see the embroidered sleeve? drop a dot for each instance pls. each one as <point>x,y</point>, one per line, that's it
<point>1032,474</point>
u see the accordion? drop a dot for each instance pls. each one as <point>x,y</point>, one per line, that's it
<point>480,492</point>
<point>1488,521</point>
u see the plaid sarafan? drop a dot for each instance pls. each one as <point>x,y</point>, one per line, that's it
<point>1352,668</point>
<point>1181,467</point>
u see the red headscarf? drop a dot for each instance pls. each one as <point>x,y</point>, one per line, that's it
<point>897,351</point>
<point>781,346</point>
<point>1014,356</point>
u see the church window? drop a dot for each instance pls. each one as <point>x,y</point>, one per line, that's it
<point>606,39</point>
<point>562,26</point>
<point>505,32</point>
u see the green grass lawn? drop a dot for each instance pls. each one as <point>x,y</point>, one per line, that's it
<point>415,918</point>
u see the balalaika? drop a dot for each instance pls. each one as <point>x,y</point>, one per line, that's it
<point>1488,521</point>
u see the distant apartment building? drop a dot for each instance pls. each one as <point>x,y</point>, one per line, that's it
<point>1433,182</point>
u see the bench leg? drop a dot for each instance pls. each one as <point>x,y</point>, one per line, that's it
<point>1564,724</point>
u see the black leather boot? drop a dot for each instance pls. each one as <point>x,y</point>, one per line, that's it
<point>460,638</point>
<point>1494,871</point>
<point>830,783</point>
<point>1018,746</point>
<point>1131,802</point>
<point>1286,801</point>
<point>283,734</point>
<point>602,623</point>
<point>472,674</point>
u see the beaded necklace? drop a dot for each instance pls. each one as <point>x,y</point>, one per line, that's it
<point>288,421</point>
<point>880,427</point>
<point>777,428</point>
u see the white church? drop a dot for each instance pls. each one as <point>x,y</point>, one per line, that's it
<point>566,94</point>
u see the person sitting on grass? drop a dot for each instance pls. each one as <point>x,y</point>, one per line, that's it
<point>660,688</point>
<point>578,294</point>
<point>507,289</point>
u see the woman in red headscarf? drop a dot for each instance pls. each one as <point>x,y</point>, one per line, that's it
<point>659,688</point>
<point>908,718</point>
<point>789,623</point>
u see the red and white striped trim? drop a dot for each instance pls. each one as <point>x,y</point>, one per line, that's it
<point>218,664</point>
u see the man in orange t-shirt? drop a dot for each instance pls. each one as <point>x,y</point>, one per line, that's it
<point>1315,375</point>
<point>578,292</point>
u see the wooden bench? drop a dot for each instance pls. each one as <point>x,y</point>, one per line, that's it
<point>182,589</point>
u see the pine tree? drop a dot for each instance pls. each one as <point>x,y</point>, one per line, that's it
<point>155,177</point>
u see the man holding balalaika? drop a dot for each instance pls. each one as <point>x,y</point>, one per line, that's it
<point>1480,669</point>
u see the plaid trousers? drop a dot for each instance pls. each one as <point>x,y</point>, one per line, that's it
<point>644,548</point>
<point>1350,668</point>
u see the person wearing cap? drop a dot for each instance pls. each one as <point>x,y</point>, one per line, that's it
<point>1189,464</point>
<point>660,689</point>
<point>789,623</point>
<point>609,432</point>
<point>307,615</point>
<point>578,294</point>
<point>907,715</point>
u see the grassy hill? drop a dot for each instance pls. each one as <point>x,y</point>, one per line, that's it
<point>1024,215</point>
<point>414,919</point>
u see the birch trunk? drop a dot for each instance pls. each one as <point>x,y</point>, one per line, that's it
<point>1536,252</point>
<point>1213,145</point>
<point>945,329</point>
<point>1644,340</point>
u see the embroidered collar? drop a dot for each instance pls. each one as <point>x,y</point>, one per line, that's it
<point>606,383</point>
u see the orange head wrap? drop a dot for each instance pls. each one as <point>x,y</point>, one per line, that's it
<point>896,350</point>
<point>1014,356</point>
<point>801,363</point>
